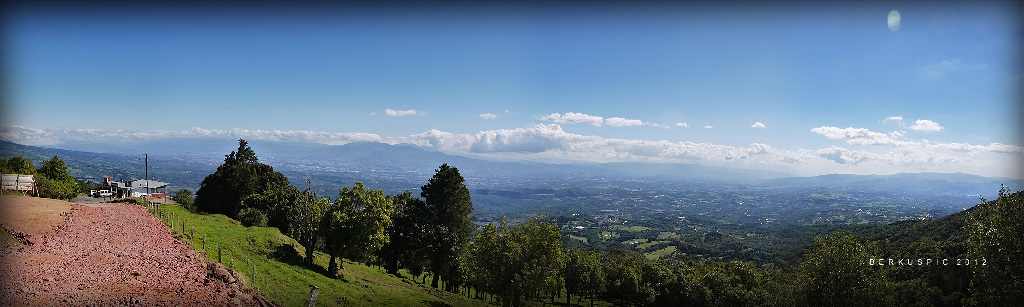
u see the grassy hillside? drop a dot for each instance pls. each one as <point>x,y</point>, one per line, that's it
<point>271,262</point>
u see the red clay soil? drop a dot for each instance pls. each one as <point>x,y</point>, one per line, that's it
<point>105,254</point>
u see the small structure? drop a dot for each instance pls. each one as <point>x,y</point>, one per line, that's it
<point>18,182</point>
<point>137,188</point>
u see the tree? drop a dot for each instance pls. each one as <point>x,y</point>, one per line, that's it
<point>836,273</point>
<point>185,198</point>
<point>449,204</point>
<point>542,257</point>
<point>55,169</point>
<point>354,225</point>
<point>520,261</point>
<point>18,165</point>
<point>625,277</point>
<point>240,176</point>
<point>56,189</point>
<point>407,234</point>
<point>53,180</point>
<point>583,273</point>
<point>997,251</point>
<point>252,217</point>
<point>304,218</point>
<point>271,206</point>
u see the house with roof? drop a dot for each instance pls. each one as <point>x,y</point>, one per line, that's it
<point>137,188</point>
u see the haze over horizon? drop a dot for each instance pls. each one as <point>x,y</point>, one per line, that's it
<point>802,88</point>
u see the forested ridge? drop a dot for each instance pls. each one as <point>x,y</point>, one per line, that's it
<point>968,258</point>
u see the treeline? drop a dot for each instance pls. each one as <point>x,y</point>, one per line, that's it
<point>51,178</point>
<point>357,225</point>
<point>518,261</point>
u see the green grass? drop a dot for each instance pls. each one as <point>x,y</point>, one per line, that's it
<point>606,235</point>
<point>664,235</point>
<point>287,283</point>
<point>7,240</point>
<point>647,245</point>
<point>634,228</point>
<point>660,253</point>
<point>578,238</point>
<point>634,242</point>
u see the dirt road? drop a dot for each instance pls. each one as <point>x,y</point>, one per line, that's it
<point>109,254</point>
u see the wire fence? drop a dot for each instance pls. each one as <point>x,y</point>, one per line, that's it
<point>210,247</point>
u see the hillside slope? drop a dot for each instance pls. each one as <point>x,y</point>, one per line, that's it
<point>63,253</point>
<point>271,263</point>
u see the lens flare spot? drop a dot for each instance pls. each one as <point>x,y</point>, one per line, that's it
<point>894,20</point>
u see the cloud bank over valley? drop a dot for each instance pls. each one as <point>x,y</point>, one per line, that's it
<point>855,150</point>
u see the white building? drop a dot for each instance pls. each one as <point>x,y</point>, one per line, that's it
<point>138,188</point>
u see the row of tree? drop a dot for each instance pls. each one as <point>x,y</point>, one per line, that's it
<point>358,224</point>
<point>52,179</point>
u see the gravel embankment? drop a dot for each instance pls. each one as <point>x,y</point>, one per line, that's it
<point>112,254</point>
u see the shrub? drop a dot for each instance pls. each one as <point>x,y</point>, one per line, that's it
<point>252,217</point>
<point>57,189</point>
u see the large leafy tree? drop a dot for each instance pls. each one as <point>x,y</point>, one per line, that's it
<point>240,176</point>
<point>273,206</point>
<point>185,198</point>
<point>53,180</point>
<point>582,272</point>
<point>626,278</point>
<point>18,165</point>
<point>407,233</point>
<point>449,205</point>
<point>55,169</point>
<point>304,218</point>
<point>836,272</point>
<point>995,232</point>
<point>354,225</point>
<point>520,261</point>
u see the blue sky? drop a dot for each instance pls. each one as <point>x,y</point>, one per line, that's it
<point>834,88</point>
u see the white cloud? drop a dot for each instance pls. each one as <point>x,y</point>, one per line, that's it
<point>622,122</point>
<point>893,119</point>
<point>757,125</point>
<point>46,137</point>
<point>860,136</point>
<point>683,125</point>
<point>574,118</point>
<point>401,113</point>
<point>839,155</point>
<point>547,142</point>
<point>926,126</point>
<point>708,127</point>
<point>488,116</point>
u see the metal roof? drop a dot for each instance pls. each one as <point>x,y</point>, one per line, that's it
<point>152,184</point>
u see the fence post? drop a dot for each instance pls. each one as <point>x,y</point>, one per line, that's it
<point>311,301</point>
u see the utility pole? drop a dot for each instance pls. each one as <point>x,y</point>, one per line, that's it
<point>309,185</point>
<point>145,197</point>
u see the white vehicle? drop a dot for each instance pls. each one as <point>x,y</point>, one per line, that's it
<point>103,193</point>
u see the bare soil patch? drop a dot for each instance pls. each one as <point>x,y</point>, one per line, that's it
<point>105,254</point>
<point>32,216</point>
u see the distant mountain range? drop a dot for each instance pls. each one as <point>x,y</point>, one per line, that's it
<point>956,183</point>
<point>399,167</point>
